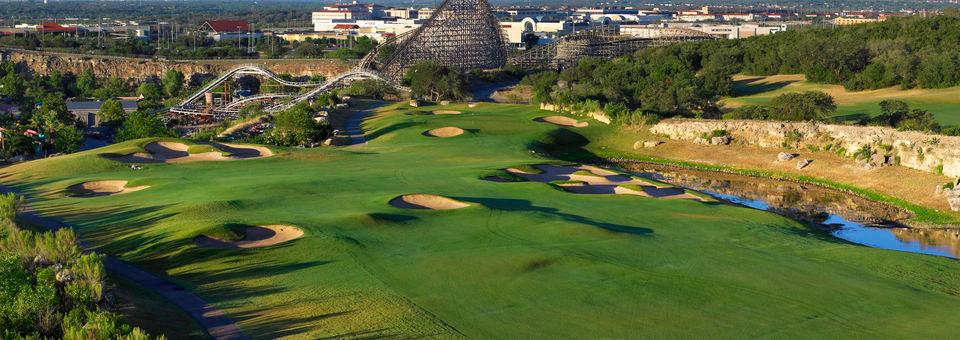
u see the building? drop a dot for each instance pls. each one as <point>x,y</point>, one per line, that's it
<point>546,30</point>
<point>220,30</point>
<point>401,13</point>
<point>846,21</point>
<point>738,16</point>
<point>86,111</point>
<point>719,30</point>
<point>531,13</point>
<point>352,11</point>
<point>304,36</point>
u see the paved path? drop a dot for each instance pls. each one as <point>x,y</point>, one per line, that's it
<point>212,320</point>
<point>353,128</point>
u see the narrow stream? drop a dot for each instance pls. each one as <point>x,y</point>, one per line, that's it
<point>843,215</point>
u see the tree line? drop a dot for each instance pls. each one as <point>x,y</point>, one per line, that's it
<point>688,79</point>
<point>44,125</point>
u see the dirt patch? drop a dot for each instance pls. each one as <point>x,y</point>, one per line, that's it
<point>174,152</point>
<point>102,188</point>
<point>427,202</point>
<point>444,132</point>
<point>254,237</point>
<point>446,112</point>
<point>562,121</point>
<point>585,179</point>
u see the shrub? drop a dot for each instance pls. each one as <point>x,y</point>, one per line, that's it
<point>714,133</point>
<point>10,205</point>
<point>803,106</point>
<point>792,138</point>
<point>863,153</point>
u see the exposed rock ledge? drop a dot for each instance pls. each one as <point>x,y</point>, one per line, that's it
<point>916,150</point>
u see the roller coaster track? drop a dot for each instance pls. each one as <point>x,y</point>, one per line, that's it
<point>187,107</point>
<point>235,105</point>
<point>462,34</point>
<point>243,70</point>
<point>599,42</point>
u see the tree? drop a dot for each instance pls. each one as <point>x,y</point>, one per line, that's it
<point>435,82</point>
<point>800,106</point>
<point>295,127</point>
<point>86,83</point>
<point>13,86</point>
<point>111,113</point>
<point>542,84</point>
<point>172,82</point>
<point>896,113</point>
<point>150,91</point>
<point>141,124</point>
<point>68,139</point>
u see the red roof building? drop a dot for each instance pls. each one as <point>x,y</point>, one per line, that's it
<point>345,27</point>
<point>221,26</point>
<point>52,27</point>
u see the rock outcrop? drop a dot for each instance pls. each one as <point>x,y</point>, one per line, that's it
<point>141,68</point>
<point>877,146</point>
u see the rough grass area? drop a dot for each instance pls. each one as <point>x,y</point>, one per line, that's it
<point>524,261</point>
<point>760,90</point>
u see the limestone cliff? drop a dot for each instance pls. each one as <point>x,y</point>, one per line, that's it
<point>916,150</point>
<point>140,68</point>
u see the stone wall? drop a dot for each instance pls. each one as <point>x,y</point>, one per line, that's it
<point>140,68</point>
<point>916,150</point>
<point>599,116</point>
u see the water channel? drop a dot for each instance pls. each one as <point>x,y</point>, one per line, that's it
<point>844,215</point>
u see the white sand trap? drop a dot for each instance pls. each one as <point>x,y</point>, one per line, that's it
<point>562,121</point>
<point>427,202</point>
<point>446,112</point>
<point>444,132</point>
<point>174,152</point>
<point>254,237</point>
<point>102,188</point>
<point>597,181</point>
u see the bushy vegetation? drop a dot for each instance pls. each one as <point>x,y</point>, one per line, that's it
<point>42,102</point>
<point>434,82</point>
<point>802,106</point>
<point>687,79</point>
<point>140,124</point>
<point>49,288</point>
<point>295,127</point>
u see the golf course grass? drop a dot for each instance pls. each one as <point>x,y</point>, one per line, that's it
<point>944,104</point>
<point>523,260</point>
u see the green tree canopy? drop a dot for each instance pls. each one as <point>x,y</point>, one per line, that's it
<point>141,124</point>
<point>172,82</point>
<point>111,113</point>
<point>803,106</point>
<point>435,82</point>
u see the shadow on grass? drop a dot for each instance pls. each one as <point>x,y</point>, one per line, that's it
<point>746,87</point>
<point>527,206</point>
<point>388,129</point>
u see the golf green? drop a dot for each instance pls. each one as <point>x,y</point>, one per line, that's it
<point>523,260</point>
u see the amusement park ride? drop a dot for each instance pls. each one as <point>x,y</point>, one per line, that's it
<point>463,34</point>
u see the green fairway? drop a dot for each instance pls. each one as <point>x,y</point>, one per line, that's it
<point>943,103</point>
<point>525,260</point>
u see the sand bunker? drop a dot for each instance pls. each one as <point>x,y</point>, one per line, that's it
<point>446,112</point>
<point>444,132</point>
<point>585,179</point>
<point>562,121</point>
<point>254,237</point>
<point>174,152</point>
<point>428,202</point>
<point>101,188</point>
